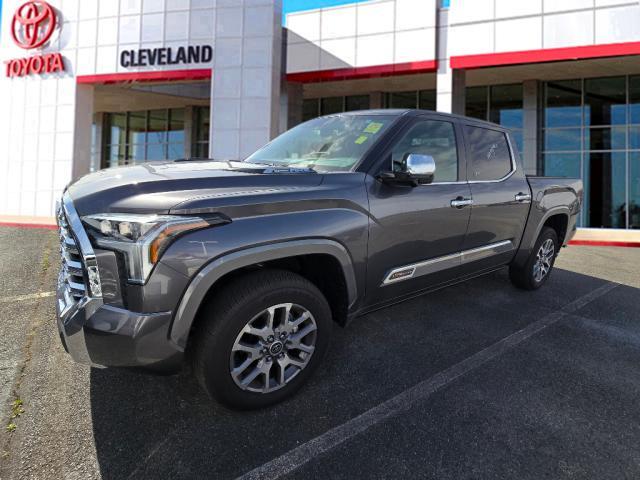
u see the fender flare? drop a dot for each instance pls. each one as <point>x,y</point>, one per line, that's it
<point>552,213</point>
<point>205,279</point>
<point>529,240</point>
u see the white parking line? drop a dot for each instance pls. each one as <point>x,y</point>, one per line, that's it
<point>306,452</point>
<point>23,298</point>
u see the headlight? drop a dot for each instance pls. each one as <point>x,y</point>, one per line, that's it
<point>142,238</point>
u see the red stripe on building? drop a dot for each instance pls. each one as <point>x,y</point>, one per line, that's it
<point>157,76</point>
<point>364,72</point>
<point>29,225</point>
<point>546,55</point>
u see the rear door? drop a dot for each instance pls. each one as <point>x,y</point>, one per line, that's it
<point>501,197</point>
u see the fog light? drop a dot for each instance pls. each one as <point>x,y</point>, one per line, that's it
<point>94,282</point>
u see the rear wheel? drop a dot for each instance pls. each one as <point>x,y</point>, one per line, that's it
<point>261,338</point>
<point>538,266</point>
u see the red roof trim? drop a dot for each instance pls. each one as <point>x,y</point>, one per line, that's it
<point>156,76</point>
<point>546,55</point>
<point>427,66</point>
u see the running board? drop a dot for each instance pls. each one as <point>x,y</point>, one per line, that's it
<point>444,263</point>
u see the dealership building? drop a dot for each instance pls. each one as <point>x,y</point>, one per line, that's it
<point>90,84</point>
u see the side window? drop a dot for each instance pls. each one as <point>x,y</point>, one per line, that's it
<point>489,156</point>
<point>430,137</point>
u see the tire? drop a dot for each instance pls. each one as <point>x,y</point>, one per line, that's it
<point>531,276</point>
<point>226,340</point>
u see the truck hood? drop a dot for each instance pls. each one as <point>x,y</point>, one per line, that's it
<point>186,187</point>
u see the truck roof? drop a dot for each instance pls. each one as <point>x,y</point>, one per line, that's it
<point>413,112</point>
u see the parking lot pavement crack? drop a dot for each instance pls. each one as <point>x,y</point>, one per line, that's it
<point>20,369</point>
<point>25,298</point>
<point>315,447</point>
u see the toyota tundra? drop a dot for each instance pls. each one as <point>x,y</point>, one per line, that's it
<point>240,269</point>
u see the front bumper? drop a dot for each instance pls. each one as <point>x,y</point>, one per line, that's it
<point>104,335</point>
<point>93,328</point>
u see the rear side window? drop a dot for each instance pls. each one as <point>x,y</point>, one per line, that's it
<point>489,155</point>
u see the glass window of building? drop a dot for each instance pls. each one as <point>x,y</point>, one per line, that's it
<point>501,104</point>
<point>477,102</point>
<point>421,99</point>
<point>153,135</point>
<point>427,100</point>
<point>202,124</point>
<point>634,100</point>
<point>331,105</point>
<point>605,101</point>
<point>316,107</point>
<point>563,104</point>
<point>634,190</point>
<point>591,130</point>
<point>310,109</point>
<point>402,100</point>
<point>356,102</point>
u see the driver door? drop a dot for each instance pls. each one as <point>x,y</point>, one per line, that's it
<point>414,229</point>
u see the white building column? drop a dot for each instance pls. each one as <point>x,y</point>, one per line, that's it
<point>451,84</point>
<point>245,97</point>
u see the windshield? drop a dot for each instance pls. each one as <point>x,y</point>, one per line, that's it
<point>327,144</point>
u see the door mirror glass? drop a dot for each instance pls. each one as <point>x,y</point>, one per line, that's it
<point>421,168</point>
<point>414,170</point>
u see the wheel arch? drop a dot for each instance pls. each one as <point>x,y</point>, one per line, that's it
<point>537,221</point>
<point>208,277</point>
<point>558,221</point>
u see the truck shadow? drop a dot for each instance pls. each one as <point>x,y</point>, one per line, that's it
<point>148,426</point>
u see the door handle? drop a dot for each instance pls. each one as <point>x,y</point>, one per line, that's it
<point>461,202</point>
<point>523,197</point>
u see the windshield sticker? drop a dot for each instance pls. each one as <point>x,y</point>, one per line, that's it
<point>361,139</point>
<point>373,127</point>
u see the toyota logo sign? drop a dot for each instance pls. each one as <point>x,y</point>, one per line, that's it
<point>33,24</point>
<point>32,27</point>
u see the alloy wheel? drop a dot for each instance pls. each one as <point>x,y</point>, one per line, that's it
<point>273,348</point>
<point>544,260</point>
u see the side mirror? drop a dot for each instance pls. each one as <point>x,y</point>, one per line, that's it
<point>418,170</point>
<point>421,168</point>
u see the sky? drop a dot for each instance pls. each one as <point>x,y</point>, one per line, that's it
<point>299,5</point>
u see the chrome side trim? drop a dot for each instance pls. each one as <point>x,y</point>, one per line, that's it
<point>443,263</point>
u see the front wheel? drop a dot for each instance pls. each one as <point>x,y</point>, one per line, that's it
<point>261,338</point>
<point>538,266</point>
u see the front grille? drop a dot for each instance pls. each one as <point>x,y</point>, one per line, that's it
<point>71,281</point>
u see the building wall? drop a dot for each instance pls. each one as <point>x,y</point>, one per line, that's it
<point>497,26</point>
<point>360,35</point>
<point>45,129</point>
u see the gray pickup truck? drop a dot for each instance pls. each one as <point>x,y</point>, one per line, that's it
<point>239,269</point>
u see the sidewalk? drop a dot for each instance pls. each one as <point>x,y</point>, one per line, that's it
<point>607,237</point>
<point>27,222</point>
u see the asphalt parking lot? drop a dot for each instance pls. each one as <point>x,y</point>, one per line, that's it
<point>478,381</point>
